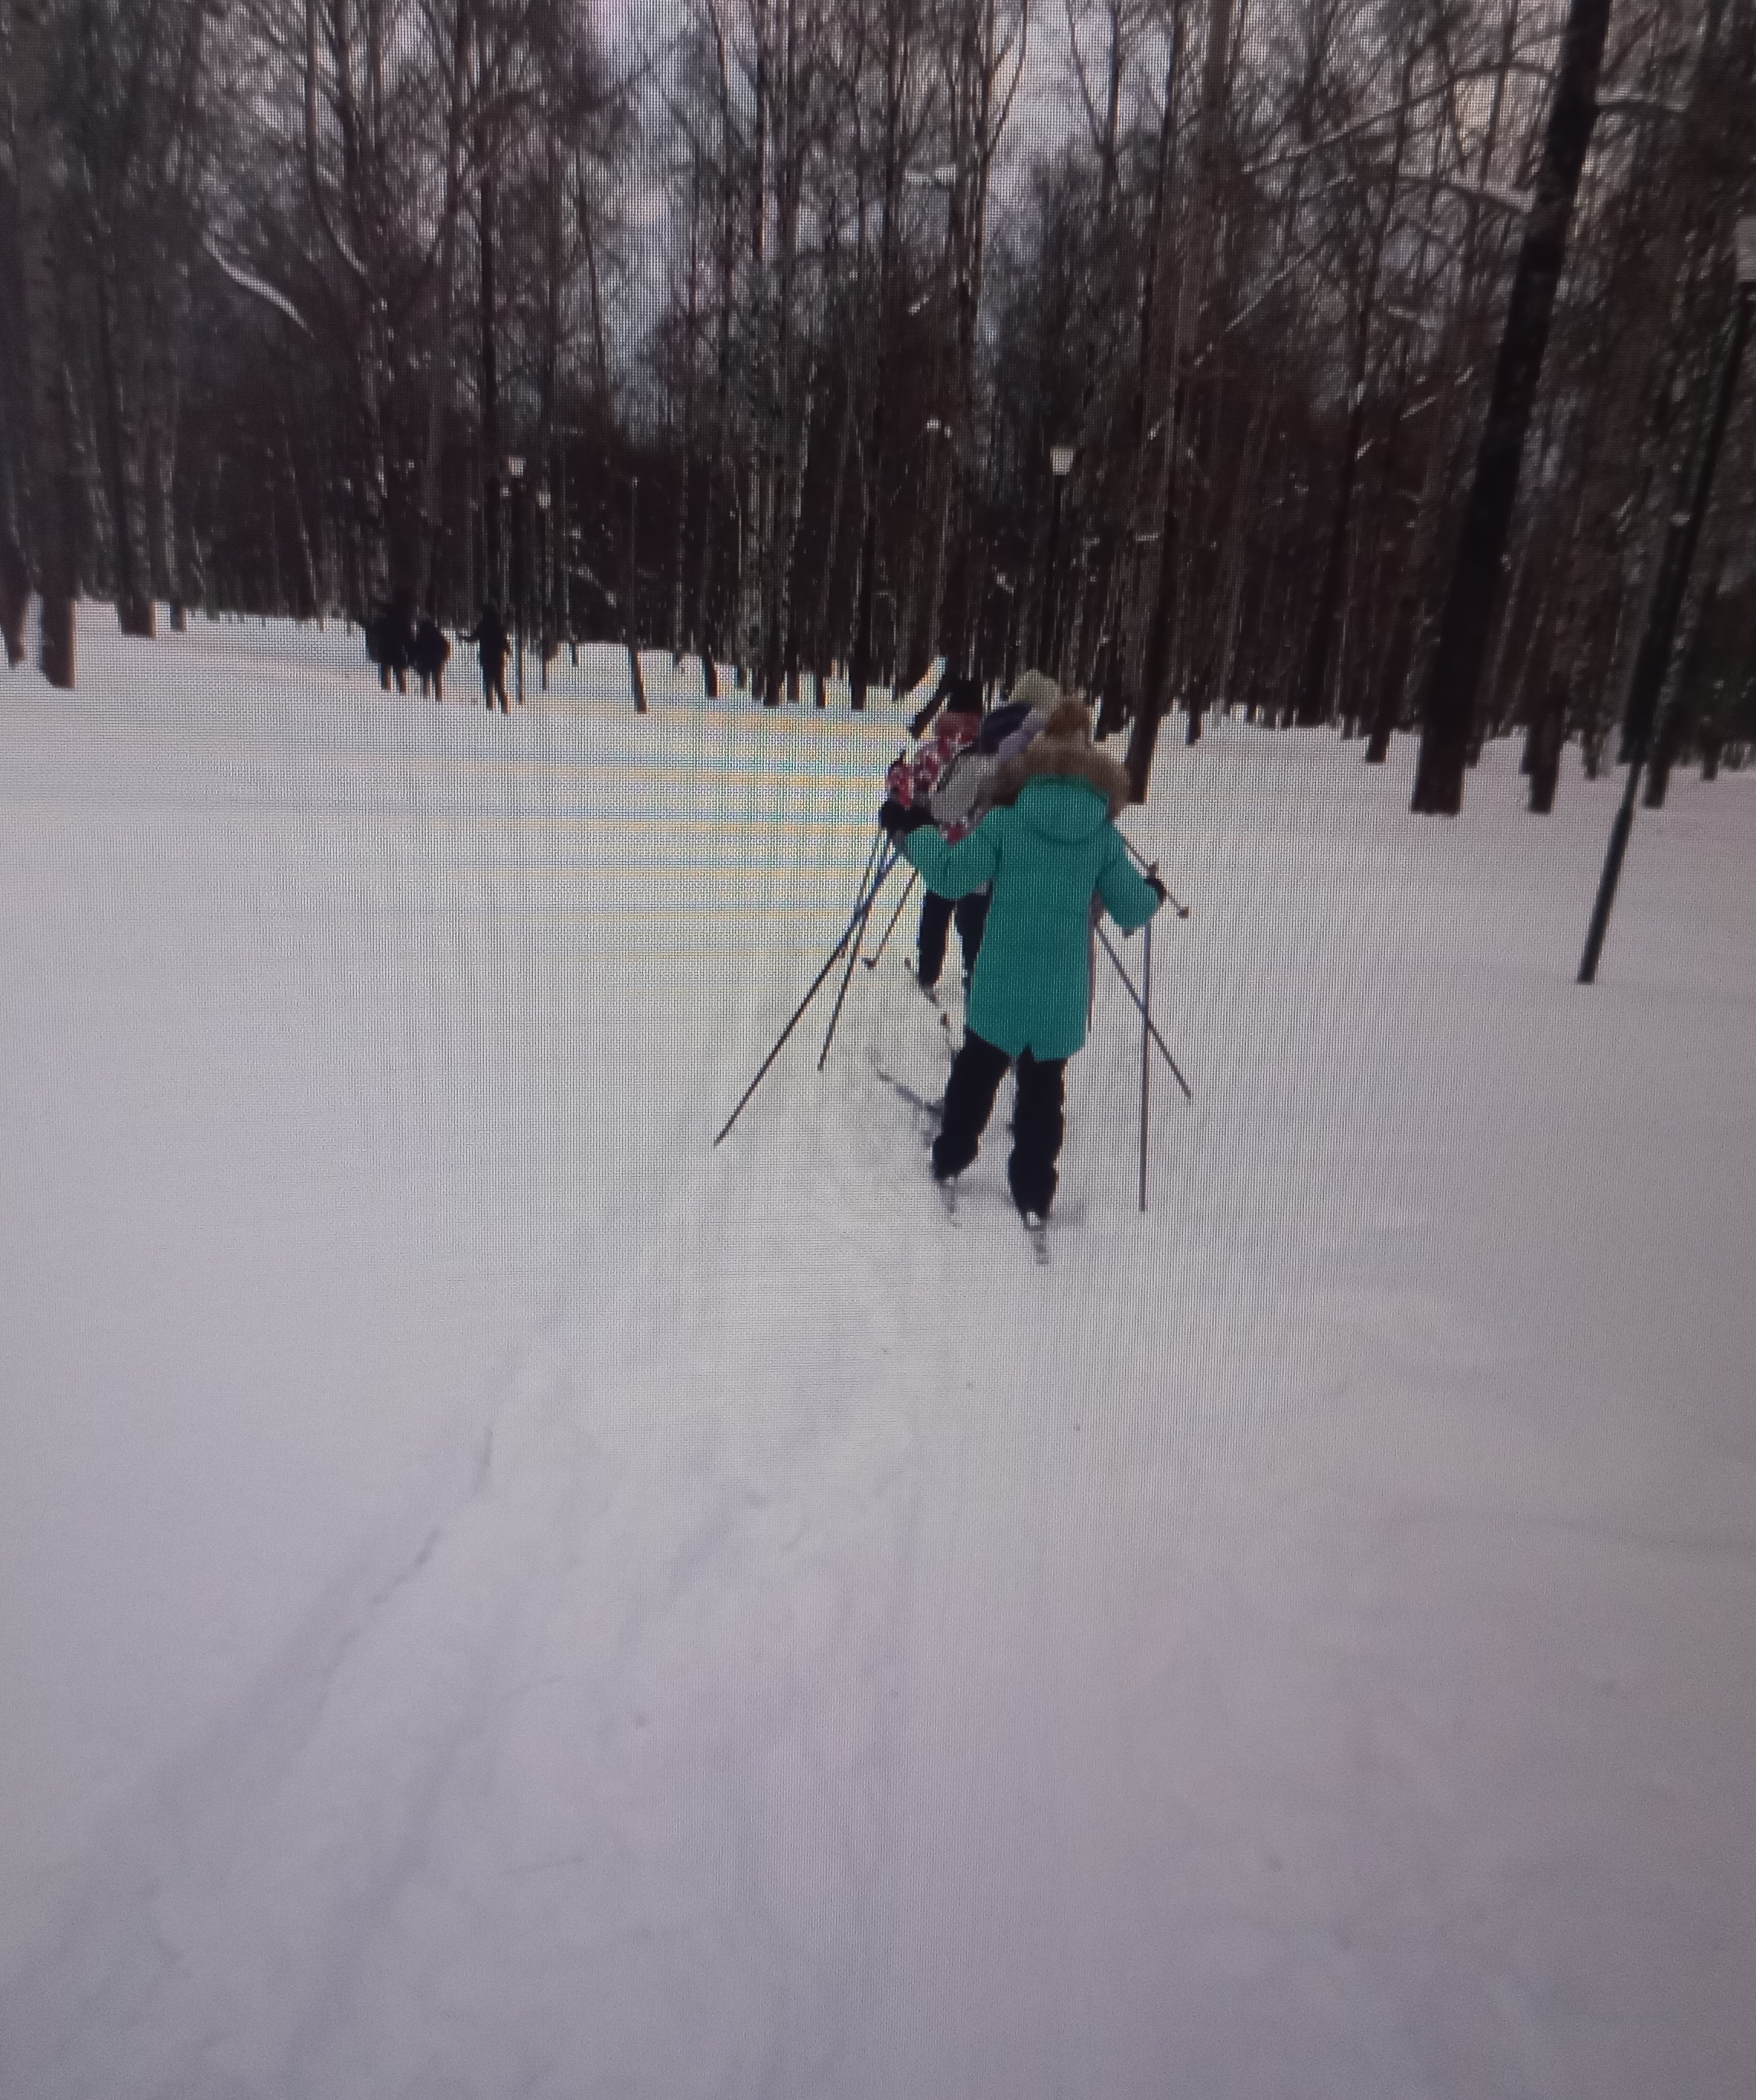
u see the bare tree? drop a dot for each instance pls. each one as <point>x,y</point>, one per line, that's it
<point>50,449</point>
<point>1461,643</point>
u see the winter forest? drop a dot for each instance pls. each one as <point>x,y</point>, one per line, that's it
<point>1153,341</point>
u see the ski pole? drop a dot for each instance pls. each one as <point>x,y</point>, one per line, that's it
<point>861,912</point>
<point>854,952</point>
<point>1151,1027</point>
<point>1146,1062</point>
<point>1140,860</point>
<point>816,986</point>
<point>872,861</point>
<point>862,906</point>
<point>872,961</point>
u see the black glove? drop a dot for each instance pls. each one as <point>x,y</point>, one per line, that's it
<point>899,821</point>
<point>1157,889</point>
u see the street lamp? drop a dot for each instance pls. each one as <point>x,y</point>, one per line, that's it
<point>1670,589</point>
<point>1061,465</point>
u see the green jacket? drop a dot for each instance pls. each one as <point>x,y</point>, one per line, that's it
<point>1045,855</point>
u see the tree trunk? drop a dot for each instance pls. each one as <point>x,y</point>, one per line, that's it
<point>1308,704</point>
<point>1449,703</point>
<point>631,574</point>
<point>782,638</point>
<point>1127,581</point>
<point>427,524</point>
<point>307,600</point>
<point>1545,743</point>
<point>1678,723</point>
<point>162,394</point>
<point>493,531</point>
<point>825,580</point>
<point>1154,693</point>
<point>15,570</point>
<point>53,472</point>
<point>898,63</point>
<point>860,665</point>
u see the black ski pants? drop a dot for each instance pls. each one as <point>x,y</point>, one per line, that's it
<point>494,684</point>
<point>937,915</point>
<point>1038,1122</point>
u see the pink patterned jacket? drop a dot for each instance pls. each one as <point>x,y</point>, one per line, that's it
<point>911,782</point>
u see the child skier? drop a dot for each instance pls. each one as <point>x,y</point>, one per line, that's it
<point>1019,720</point>
<point>1048,846</point>
<point>932,785</point>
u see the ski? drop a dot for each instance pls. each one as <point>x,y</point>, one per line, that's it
<point>1036,1227</point>
<point>919,1102</point>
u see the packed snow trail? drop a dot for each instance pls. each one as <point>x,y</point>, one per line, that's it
<point>501,1599</point>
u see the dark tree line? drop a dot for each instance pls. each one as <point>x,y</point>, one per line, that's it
<point>1173,345</point>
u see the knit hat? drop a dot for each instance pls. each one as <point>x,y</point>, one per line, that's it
<point>1037,690</point>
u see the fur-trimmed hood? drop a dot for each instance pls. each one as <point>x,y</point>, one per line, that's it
<point>1062,758</point>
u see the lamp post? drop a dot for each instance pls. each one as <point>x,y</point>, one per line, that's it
<point>544,644</point>
<point>515,474</point>
<point>1061,465</point>
<point>1669,590</point>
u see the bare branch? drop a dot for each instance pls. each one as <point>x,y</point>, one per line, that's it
<point>247,280</point>
<point>1641,106</point>
<point>337,240</point>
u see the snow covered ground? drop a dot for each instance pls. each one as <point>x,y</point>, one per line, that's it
<point>498,1598</point>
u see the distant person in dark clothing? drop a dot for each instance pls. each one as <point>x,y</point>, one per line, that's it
<point>492,643</point>
<point>389,639</point>
<point>431,654</point>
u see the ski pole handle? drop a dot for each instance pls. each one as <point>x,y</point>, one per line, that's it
<point>1140,862</point>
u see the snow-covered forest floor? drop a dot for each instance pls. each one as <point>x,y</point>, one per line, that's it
<point>497,1598</point>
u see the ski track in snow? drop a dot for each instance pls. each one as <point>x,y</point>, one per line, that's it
<point>627,1618</point>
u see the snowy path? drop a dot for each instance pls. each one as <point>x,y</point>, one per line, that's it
<point>503,1600</point>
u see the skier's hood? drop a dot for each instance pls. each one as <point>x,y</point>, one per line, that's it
<point>1067,811</point>
<point>1089,786</point>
